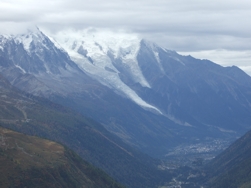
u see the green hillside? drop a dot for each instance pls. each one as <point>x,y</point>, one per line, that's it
<point>27,161</point>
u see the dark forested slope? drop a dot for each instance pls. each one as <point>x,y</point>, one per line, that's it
<point>28,161</point>
<point>232,168</point>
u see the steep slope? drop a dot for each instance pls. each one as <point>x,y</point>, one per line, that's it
<point>36,116</point>
<point>232,167</point>
<point>198,92</point>
<point>33,162</point>
<point>33,63</point>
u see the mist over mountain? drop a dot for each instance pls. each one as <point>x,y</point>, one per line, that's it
<point>153,98</point>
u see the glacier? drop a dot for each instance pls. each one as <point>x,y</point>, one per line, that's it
<point>90,51</point>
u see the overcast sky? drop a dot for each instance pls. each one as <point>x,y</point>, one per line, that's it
<point>218,30</point>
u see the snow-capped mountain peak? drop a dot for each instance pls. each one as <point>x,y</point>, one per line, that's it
<point>34,46</point>
<point>99,41</point>
<point>103,55</point>
<point>106,56</point>
<point>31,36</point>
<point>103,50</point>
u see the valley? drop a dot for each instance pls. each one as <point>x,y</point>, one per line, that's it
<point>201,153</point>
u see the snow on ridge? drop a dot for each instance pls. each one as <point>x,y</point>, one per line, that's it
<point>56,44</point>
<point>20,38</point>
<point>96,45</point>
<point>120,45</point>
<point>25,40</point>
<point>25,37</point>
<point>5,38</point>
<point>20,68</point>
<point>155,50</point>
<point>32,35</point>
<point>110,80</point>
<point>108,40</point>
<point>89,50</point>
<point>182,63</point>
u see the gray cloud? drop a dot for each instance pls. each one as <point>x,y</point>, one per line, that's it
<point>192,26</point>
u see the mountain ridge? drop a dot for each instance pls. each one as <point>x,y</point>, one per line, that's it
<point>165,97</point>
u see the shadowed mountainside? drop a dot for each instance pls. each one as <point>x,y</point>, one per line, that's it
<point>232,167</point>
<point>28,161</point>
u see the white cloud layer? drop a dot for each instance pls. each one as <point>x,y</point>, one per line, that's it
<point>216,30</point>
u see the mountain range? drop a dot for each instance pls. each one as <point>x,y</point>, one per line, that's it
<point>116,98</point>
<point>152,98</point>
